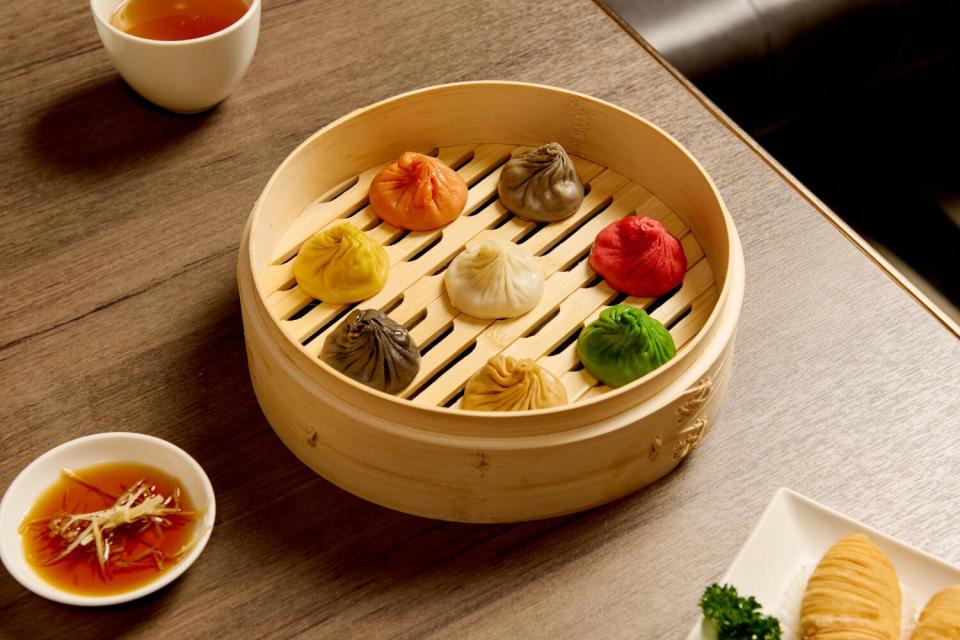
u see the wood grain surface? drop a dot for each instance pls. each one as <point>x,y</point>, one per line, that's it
<point>118,236</point>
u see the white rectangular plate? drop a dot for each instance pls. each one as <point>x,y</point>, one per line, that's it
<point>793,534</point>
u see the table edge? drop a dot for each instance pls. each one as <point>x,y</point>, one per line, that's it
<point>825,211</point>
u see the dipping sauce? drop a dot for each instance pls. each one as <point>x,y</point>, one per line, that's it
<point>135,554</point>
<point>176,19</point>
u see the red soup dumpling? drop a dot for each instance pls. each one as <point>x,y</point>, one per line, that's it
<point>636,255</point>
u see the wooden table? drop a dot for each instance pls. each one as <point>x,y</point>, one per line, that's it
<point>119,238</point>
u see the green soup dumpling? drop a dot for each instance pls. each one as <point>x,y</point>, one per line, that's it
<point>624,344</point>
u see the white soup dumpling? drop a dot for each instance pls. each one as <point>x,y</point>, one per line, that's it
<point>494,279</point>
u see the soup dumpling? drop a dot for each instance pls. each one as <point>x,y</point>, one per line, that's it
<point>636,255</point>
<point>341,265</point>
<point>418,192</point>
<point>506,383</point>
<point>541,184</point>
<point>624,344</point>
<point>494,279</point>
<point>373,349</point>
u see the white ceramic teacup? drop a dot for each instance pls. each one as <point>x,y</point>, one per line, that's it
<point>185,76</point>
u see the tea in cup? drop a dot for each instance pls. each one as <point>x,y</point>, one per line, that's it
<point>183,55</point>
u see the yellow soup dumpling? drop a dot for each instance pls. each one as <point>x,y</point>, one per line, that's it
<point>340,265</point>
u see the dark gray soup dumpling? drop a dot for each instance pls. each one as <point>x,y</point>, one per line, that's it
<point>541,184</point>
<point>373,349</point>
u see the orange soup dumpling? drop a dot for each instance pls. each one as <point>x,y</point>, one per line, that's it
<point>418,192</point>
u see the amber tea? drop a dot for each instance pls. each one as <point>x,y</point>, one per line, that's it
<point>176,19</point>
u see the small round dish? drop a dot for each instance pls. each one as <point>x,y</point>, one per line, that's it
<point>43,472</point>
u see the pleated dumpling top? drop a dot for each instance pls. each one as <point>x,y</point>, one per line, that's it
<point>940,619</point>
<point>418,192</point>
<point>853,594</point>
<point>513,384</point>
<point>494,279</point>
<point>341,264</point>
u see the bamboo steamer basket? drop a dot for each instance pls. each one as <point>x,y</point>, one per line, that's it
<point>418,452</point>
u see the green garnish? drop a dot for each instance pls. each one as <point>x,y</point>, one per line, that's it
<point>737,618</point>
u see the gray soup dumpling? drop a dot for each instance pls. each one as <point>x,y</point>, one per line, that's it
<point>541,184</point>
<point>373,349</point>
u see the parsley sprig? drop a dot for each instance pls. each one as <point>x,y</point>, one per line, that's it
<point>737,618</point>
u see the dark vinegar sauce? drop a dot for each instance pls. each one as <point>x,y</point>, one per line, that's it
<point>80,571</point>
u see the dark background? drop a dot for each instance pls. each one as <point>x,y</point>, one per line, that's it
<point>857,98</point>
